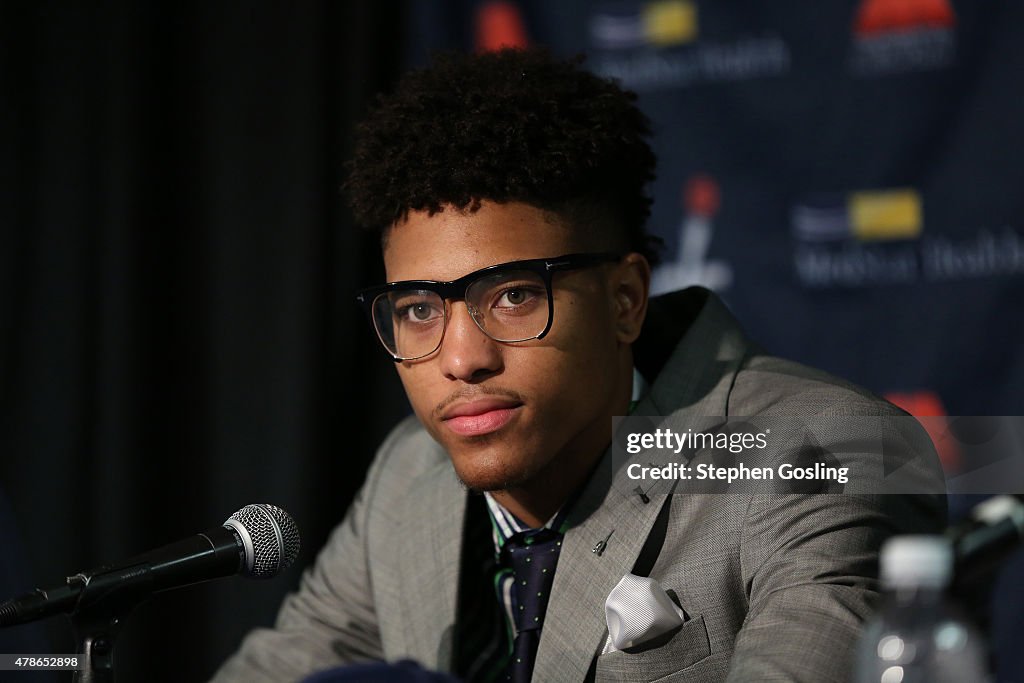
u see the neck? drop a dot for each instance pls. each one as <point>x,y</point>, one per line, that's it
<point>535,505</point>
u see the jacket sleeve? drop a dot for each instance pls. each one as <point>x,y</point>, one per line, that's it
<point>331,619</point>
<point>810,564</point>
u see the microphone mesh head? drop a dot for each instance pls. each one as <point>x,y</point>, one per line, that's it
<point>8,614</point>
<point>274,536</point>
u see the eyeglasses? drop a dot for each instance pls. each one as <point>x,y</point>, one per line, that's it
<point>509,302</point>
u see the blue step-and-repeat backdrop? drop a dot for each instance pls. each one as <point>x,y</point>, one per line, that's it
<point>848,175</point>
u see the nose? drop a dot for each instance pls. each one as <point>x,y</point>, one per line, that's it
<point>467,353</point>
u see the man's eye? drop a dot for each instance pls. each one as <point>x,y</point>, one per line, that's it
<point>516,297</point>
<point>417,313</point>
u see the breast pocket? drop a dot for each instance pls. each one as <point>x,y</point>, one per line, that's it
<point>687,646</point>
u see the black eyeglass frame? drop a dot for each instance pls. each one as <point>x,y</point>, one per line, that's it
<point>456,290</point>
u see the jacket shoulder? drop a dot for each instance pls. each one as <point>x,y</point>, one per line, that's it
<point>406,454</point>
<point>766,385</point>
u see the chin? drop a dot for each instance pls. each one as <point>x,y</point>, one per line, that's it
<point>489,471</point>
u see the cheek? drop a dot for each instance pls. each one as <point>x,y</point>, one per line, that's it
<point>576,372</point>
<point>587,336</point>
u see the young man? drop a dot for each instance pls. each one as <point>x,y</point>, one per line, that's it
<point>510,189</point>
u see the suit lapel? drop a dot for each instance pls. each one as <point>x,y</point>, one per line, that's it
<point>694,382</point>
<point>574,626</point>
<point>699,373</point>
<point>430,545</point>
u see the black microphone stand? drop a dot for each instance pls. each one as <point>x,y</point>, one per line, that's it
<point>95,632</point>
<point>97,620</point>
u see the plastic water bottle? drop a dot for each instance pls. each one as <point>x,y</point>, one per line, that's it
<point>917,635</point>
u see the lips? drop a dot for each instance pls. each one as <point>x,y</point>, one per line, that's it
<point>480,416</point>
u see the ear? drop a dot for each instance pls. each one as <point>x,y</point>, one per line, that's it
<point>631,281</point>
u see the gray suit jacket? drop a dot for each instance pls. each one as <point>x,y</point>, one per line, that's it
<point>775,586</point>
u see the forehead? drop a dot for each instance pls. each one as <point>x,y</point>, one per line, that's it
<point>451,243</point>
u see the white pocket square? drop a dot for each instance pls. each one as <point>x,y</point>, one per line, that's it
<point>638,610</point>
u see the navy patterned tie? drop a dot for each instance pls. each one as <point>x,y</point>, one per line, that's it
<point>532,555</point>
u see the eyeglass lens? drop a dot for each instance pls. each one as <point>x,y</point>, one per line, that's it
<point>509,306</point>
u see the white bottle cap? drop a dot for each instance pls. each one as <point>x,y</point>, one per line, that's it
<point>917,561</point>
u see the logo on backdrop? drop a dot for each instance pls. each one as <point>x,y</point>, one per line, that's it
<point>691,266</point>
<point>926,403</point>
<point>877,237</point>
<point>657,45</point>
<point>967,445</point>
<point>902,36</point>
<point>498,24</point>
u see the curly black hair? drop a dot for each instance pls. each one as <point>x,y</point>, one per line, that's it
<point>512,125</point>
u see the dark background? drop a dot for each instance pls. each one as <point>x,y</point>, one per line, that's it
<point>177,268</point>
<point>178,336</point>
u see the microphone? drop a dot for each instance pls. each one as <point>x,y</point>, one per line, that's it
<point>995,527</point>
<point>259,541</point>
